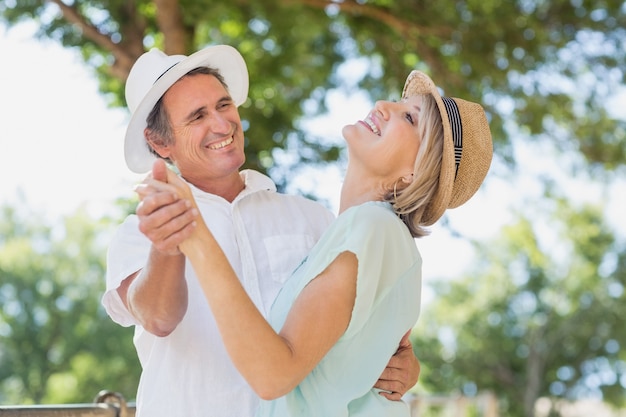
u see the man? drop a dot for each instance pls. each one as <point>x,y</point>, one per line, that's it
<point>184,109</point>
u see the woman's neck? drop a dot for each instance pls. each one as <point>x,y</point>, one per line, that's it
<point>357,190</point>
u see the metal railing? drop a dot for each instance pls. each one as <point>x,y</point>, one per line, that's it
<point>113,404</point>
<point>484,404</point>
<point>106,404</point>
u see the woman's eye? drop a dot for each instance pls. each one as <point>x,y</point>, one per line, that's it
<point>409,117</point>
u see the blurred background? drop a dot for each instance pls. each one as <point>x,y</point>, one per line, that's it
<point>524,286</point>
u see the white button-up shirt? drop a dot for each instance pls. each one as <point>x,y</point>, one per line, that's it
<point>264,235</point>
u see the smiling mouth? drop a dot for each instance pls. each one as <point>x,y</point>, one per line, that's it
<point>222,144</point>
<point>371,125</point>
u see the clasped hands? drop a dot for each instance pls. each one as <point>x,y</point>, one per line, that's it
<point>168,216</point>
<point>167,211</point>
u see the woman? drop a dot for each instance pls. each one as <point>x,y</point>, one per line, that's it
<point>341,315</point>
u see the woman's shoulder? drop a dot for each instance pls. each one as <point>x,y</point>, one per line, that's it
<point>374,213</point>
<point>370,208</point>
<point>372,220</point>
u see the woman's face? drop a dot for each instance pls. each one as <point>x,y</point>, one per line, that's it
<point>387,140</point>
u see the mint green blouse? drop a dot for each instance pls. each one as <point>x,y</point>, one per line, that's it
<point>386,306</point>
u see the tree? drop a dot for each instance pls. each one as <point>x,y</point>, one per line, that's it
<point>533,318</point>
<point>543,69</point>
<point>548,67</point>
<point>56,343</point>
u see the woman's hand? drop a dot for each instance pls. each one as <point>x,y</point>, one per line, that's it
<point>167,212</point>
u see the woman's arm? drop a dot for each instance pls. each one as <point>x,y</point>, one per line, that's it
<point>273,364</point>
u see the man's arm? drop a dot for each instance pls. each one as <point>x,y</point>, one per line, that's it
<point>157,294</point>
<point>317,319</point>
<point>401,373</point>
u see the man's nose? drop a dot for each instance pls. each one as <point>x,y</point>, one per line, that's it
<point>220,124</point>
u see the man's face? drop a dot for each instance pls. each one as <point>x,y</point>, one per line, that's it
<point>208,140</point>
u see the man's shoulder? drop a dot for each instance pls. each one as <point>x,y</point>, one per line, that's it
<point>261,185</point>
<point>298,201</point>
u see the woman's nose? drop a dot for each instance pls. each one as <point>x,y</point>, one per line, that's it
<point>384,107</point>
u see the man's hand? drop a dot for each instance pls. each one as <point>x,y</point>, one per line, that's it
<point>157,294</point>
<point>401,373</point>
<point>165,218</point>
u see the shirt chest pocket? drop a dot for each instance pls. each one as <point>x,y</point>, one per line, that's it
<point>285,253</point>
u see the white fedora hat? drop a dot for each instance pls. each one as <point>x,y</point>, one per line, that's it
<point>154,73</point>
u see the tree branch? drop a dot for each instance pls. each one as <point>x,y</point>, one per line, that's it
<point>411,33</point>
<point>123,61</point>
<point>400,26</point>
<point>170,23</point>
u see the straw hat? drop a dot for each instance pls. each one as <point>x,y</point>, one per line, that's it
<point>154,73</point>
<point>467,147</point>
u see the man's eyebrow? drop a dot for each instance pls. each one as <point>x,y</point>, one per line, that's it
<point>225,99</point>
<point>194,113</point>
<point>203,110</point>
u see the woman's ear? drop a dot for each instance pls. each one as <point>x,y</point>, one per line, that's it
<point>407,179</point>
<point>156,143</point>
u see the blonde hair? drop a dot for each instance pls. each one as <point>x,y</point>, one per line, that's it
<point>411,202</point>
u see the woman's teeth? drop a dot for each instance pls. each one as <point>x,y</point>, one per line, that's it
<point>372,126</point>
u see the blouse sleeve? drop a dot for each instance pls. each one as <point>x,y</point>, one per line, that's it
<point>385,251</point>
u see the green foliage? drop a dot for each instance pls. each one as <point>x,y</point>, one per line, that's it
<point>547,67</point>
<point>531,318</point>
<point>526,322</point>
<point>57,344</point>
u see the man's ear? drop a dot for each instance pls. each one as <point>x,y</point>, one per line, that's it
<point>156,143</point>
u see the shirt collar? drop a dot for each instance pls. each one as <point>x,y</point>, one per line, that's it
<point>254,182</point>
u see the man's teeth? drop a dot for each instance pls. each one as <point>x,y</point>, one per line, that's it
<point>222,144</point>
<point>372,126</point>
